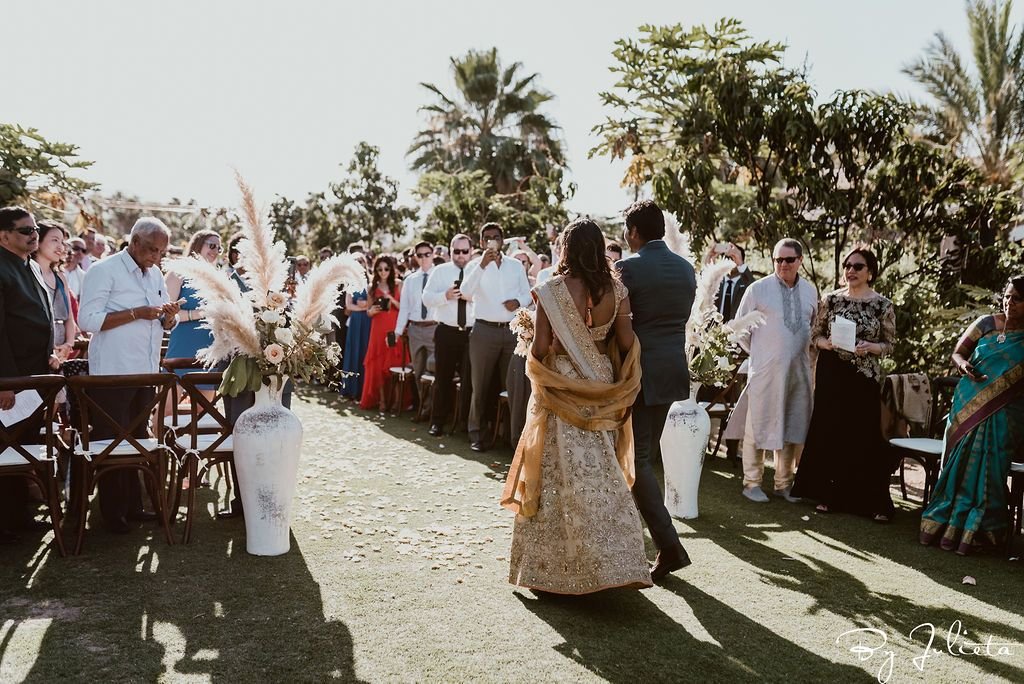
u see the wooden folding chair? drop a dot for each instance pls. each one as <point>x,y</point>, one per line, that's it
<point>927,450</point>
<point>21,455</point>
<point>721,405</point>
<point>207,440</point>
<point>401,381</point>
<point>124,451</point>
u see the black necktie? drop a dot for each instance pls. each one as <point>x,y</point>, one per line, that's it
<point>461,319</point>
<point>423,307</point>
<point>727,299</point>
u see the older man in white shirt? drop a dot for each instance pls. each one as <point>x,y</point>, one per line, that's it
<point>124,305</point>
<point>454,314</point>
<point>415,324</point>
<point>498,287</point>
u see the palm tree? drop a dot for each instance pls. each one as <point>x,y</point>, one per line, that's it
<point>492,123</point>
<point>980,113</point>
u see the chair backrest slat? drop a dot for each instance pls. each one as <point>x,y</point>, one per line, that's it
<point>26,432</point>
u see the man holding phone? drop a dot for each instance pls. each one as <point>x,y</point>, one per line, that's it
<point>498,288</point>
<point>454,315</point>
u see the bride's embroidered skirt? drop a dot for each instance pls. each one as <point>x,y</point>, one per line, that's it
<point>586,535</point>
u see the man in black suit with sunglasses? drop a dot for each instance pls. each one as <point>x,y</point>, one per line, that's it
<point>26,337</point>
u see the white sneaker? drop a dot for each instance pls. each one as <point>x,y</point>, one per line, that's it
<point>755,494</point>
<point>785,494</point>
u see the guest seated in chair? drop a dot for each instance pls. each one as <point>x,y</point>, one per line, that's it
<point>984,434</point>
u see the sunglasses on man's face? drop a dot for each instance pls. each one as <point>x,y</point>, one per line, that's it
<point>460,251</point>
<point>24,230</point>
<point>80,250</point>
<point>856,267</point>
<point>786,260</point>
<point>424,255</point>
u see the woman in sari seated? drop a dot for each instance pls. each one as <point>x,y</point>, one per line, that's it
<point>577,529</point>
<point>985,432</point>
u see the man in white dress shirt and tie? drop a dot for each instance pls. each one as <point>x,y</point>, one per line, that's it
<point>415,322</point>
<point>454,315</point>
<point>498,287</point>
<point>124,306</point>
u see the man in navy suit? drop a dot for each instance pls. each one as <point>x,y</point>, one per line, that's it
<point>661,290</point>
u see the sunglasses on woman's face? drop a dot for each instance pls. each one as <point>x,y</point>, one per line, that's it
<point>215,246</point>
<point>80,250</point>
<point>383,269</point>
<point>856,267</point>
<point>786,260</point>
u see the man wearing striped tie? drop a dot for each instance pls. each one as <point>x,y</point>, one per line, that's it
<point>416,324</point>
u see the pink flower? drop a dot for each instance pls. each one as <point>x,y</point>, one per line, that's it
<point>274,353</point>
<point>277,300</point>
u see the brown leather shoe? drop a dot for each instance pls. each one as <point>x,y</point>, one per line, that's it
<point>669,560</point>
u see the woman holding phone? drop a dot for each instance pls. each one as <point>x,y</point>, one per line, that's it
<point>845,464</point>
<point>383,352</point>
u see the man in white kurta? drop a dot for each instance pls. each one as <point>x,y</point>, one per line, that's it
<point>774,410</point>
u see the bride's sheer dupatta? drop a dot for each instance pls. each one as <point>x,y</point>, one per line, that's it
<point>587,403</point>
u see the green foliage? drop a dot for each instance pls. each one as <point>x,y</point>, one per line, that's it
<point>462,202</point>
<point>115,215</point>
<point>735,146</point>
<point>979,112</point>
<point>287,221</point>
<point>361,207</point>
<point>492,123</point>
<point>32,165</point>
<point>489,154</point>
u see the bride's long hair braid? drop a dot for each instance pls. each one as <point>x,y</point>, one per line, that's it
<point>583,256</point>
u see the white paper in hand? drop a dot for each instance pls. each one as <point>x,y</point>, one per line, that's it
<point>25,404</point>
<point>844,334</point>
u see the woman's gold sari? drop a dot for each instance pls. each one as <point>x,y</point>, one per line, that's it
<point>577,529</point>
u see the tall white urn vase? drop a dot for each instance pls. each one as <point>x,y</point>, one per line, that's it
<point>267,443</point>
<point>683,445</point>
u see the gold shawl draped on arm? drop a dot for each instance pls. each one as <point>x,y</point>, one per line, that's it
<point>584,403</point>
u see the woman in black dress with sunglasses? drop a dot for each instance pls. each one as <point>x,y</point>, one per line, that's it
<point>845,465</point>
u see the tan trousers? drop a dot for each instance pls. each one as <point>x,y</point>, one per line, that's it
<point>786,461</point>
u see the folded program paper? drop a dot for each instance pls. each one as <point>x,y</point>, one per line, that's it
<point>844,334</point>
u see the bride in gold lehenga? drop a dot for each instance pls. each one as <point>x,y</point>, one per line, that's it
<point>577,529</point>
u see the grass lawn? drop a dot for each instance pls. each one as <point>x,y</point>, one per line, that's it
<point>398,572</point>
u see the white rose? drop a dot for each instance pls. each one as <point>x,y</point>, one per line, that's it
<point>270,316</point>
<point>274,353</point>
<point>315,337</point>
<point>285,336</point>
<point>277,299</point>
<point>724,363</point>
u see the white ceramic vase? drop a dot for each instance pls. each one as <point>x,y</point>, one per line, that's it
<point>683,445</point>
<point>267,443</point>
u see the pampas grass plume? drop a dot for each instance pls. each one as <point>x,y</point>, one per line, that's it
<point>709,280</point>
<point>227,313</point>
<point>316,296</point>
<point>263,260</point>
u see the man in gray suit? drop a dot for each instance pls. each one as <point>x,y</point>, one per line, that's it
<point>661,290</point>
